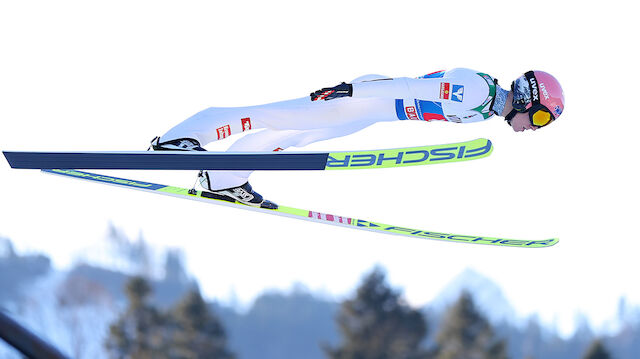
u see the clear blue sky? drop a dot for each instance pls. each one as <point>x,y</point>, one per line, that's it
<point>78,75</point>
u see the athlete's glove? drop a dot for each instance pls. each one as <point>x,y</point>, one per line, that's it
<point>329,93</point>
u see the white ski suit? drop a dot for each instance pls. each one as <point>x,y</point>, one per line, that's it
<point>459,95</point>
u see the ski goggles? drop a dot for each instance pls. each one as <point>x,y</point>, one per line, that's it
<point>526,98</point>
<point>541,116</point>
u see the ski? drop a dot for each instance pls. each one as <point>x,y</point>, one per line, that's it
<point>303,214</point>
<point>182,160</point>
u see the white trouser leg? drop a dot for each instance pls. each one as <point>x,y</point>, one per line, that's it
<point>288,123</point>
<point>217,123</point>
<point>269,140</point>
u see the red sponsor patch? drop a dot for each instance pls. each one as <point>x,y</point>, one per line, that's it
<point>224,131</point>
<point>433,116</point>
<point>246,124</point>
<point>445,90</point>
<point>411,113</point>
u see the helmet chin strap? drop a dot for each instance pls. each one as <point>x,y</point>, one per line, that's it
<point>510,116</point>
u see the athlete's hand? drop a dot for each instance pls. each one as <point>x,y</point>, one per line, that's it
<point>329,93</point>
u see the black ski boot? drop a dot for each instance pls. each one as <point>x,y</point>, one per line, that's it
<point>181,144</point>
<point>243,194</point>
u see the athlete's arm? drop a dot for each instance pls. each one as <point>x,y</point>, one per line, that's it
<point>402,87</point>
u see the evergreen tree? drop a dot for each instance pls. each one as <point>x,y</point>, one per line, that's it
<point>377,323</point>
<point>466,334</point>
<point>197,333</point>
<point>139,333</point>
<point>174,267</point>
<point>597,350</point>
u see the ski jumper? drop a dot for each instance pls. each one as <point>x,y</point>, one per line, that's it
<point>459,95</point>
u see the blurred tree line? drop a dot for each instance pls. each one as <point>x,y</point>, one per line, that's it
<point>161,314</point>
<point>376,323</point>
<point>187,331</point>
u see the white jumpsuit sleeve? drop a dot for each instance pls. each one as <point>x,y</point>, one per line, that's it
<point>401,87</point>
<point>458,95</point>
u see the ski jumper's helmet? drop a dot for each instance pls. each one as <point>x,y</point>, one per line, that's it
<point>539,94</point>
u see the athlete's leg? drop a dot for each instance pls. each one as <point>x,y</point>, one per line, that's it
<point>288,123</point>
<point>270,140</point>
<point>217,123</point>
<point>212,124</point>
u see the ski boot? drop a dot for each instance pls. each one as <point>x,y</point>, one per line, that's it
<point>181,144</point>
<point>243,194</point>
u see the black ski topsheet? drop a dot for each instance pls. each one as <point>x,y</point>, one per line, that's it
<point>194,160</point>
<point>166,160</point>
